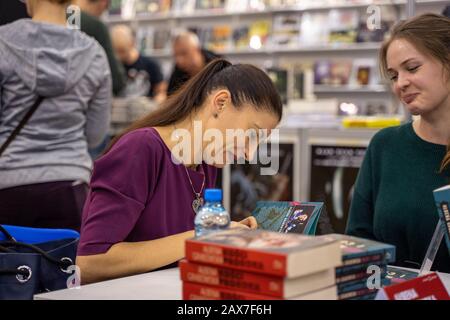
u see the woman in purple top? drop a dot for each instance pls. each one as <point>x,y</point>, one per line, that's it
<point>139,210</point>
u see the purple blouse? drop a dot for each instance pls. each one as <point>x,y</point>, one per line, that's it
<point>137,194</point>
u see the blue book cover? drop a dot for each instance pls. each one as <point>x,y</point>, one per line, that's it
<point>356,286</point>
<point>354,248</point>
<point>288,216</point>
<point>398,275</point>
<point>355,268</point>
<point>359,275</point>
<point>442,200</point>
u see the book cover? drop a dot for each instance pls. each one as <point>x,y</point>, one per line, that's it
<point>161,39</point>
<point>358,285</point>
<point>259,33</point>
<point>248,185</point>
<point>210,4</point>
<point>442,200</point>
<point>279,254</point>
<point>241,38</point>
<point>333,171</point>
<point>428,287</point>
<point>219,38</point>
<point>322,72</point>
<point>183,6</point>
<point>286,31</point>
<point>360,265</point>
<point>144,39</point>
<point>358,276</point>
<point>357,294</point>
<point>193,291</point>
<point>279,78</point>
<point>343,26</point>
<point>354,247</point>
<point>254,282</point>
<point>284,216</point>
<point>314,29</point>
<point>353,262</point>
<point>398,275</point>
<point>340,72</point>
<point>115,7</point>
<point>146,7</point>
<point>377,31</point>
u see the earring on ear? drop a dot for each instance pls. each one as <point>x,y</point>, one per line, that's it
<point>215,115</point>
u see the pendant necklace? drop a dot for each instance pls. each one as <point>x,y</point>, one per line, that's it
<point>198,201</point>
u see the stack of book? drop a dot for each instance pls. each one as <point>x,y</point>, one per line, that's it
<point>260,265</point>
<point>364,267</point>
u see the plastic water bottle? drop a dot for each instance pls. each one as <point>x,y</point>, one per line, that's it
<point>212,216</point>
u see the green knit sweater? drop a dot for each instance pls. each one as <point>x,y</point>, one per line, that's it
<point>393,199</point>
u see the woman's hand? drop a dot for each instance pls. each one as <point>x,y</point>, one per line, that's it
<point>247,223</point>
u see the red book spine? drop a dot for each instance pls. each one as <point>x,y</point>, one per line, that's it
<point>232,279</point>
<point>193,291</point>
<point>236,258</point>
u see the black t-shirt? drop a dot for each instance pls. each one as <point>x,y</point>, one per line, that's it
<point>179,77</point>
<point>143,76</point>
<point>11,11</point>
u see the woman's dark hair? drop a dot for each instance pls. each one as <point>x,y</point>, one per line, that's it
<point>247,84</point>
<point>430,34</point>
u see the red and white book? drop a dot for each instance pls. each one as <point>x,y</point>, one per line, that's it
<point>194,291</point>
<point>277,287</point>
<point>279,254</point>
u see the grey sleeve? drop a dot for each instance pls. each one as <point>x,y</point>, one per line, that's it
<point>99,113</point>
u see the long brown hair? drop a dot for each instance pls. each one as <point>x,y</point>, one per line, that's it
<point>246,83</point>
<point>430,34</point>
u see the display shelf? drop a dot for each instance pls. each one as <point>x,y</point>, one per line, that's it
<point>218,13</point>
<point>351,89</point>
<point>362,46</point>
<point>223,13</point>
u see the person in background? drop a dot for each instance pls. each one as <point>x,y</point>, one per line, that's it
<point>91,10</point>
<point>446,11</point>
<point>12,10</point>
<point>393,198</point>
<point>190,59</point>
<point>142,71</point>
<point>45,170</point>
<point>140,209</point>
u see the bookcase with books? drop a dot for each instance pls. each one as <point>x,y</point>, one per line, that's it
<point>335,40</point>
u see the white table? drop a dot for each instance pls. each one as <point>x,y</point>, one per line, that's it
<point>158,285</point>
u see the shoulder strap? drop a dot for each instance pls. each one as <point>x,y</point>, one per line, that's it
<point>22,123</point>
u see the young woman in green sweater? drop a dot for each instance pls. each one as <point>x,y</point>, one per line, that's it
<point>393,199</point>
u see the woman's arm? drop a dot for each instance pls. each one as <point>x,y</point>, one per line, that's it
<point>129,258</point>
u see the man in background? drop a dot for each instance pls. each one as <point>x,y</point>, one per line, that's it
<point>446,11</point>
<point>145,77</point>
<point>11,10</point>
<point>189,57</point>
<point>91,10</point>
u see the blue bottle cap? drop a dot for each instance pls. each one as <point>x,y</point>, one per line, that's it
<point>212,195</point>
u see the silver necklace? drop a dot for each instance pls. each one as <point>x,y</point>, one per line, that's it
<point>198,201</point>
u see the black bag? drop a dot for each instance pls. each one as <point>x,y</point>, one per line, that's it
<point>26,270</point>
